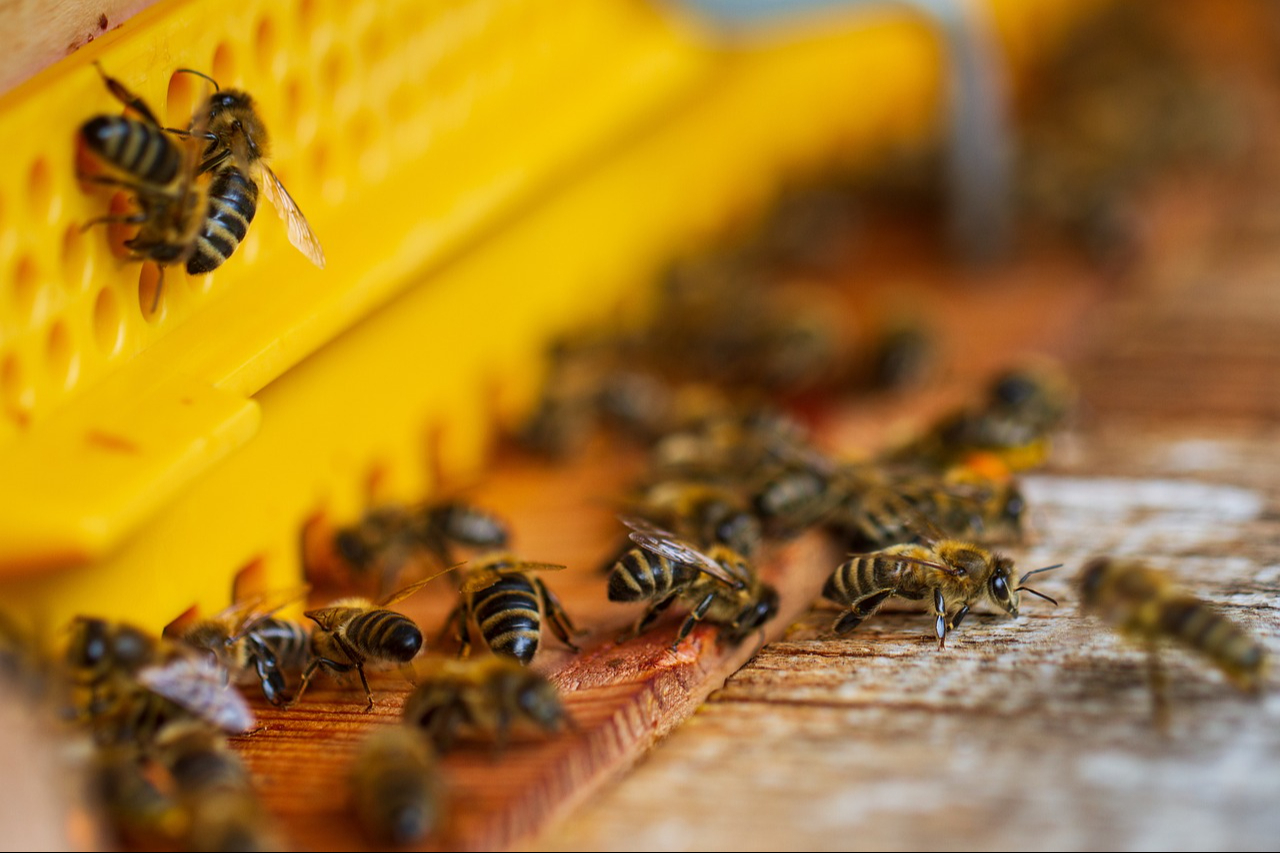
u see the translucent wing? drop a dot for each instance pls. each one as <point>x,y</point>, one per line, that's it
<point>200,687</point>
<point>243,615</point>
<point>664,543</point>
<point>409,590</point>
<point>903,558</point>
<point>300,233</point>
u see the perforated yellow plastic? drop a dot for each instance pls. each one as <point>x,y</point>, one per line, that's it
<point>483,174</point>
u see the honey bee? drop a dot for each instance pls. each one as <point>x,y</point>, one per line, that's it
<point>213,786</point>
<point>705,513</point>
<point>103,657</point>
<point>396,786</point>
<point>354,631</point>
<point>720,583</point>
<point>389,537</point>
<point>952,574</point>
<point>249,642</point>
<point>875,510</point>
<point>235,155</point>
<point>161,174</point>
<point>484,698</point>
<point>1022,406</point>
<point>508,604</point>
<point>1145,604</point>
<point>137,810</point>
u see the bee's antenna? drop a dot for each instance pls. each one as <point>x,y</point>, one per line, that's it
<point>216,88</point>
<point>1054,601</point>
<point>1023,579</point>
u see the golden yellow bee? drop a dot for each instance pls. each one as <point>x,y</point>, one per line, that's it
<point>953,575</point>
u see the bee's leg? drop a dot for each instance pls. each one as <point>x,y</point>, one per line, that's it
<point>124,96</point>
<point>958,617</point>
<point>561,626</point>
<point>695,616</point>
<point>940,617</point>
<point>650,616</point>
<point>357,662</point>
<point>462,622</point>
<point>1159,688</point>
<point>306,679</point>
<point>861,609</point>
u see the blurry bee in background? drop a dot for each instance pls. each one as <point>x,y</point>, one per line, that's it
<point>396,786</point>
<point>508,605</point>
<point>138,812</point>
<point>355,631</point>
<point>483,698</point>
<point>389,538</point>
<point>877,508</point>
<point>160,173</point>
<point>952,574</point>
<point>1146,605</point>
<point>250,643</point>
<point>101,653</point>
<point>720,584</point>
<point>235,155</point>
<point>213,786</point>
<point>705,513</point>
<point>1021,408</point>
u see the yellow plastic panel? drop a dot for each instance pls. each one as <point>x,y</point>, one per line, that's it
<point>416,389</point>
<point>405,130</point>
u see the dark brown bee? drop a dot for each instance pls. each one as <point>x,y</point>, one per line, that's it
<point>1146,605</point>
<point>236,154</point>
<point>213,785</point>
<point>136,809</point>
<point>251,643</point>
<point>705,513</point>
<point>720,584</point>
<point>396,786</point>
<point>354,631</point>
<point>508,605</point>
<point>1021,408</point>
<point>953,575</point>
<point>160,173</point>
<point>484,698</point>
<point>388,538</point>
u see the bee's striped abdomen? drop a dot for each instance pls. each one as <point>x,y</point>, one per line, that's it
<point>861,576</point>
<point>641,575</point>
<point>1200,627</point>
<point>140,149</point>
<point>508,617</point>
<point>289,642</point>
<point>233,200</point>
<point>384,634</point>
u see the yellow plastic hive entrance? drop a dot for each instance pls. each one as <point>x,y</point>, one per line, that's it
<point>483,175</point>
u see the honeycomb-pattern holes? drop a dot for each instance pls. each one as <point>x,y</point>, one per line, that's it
<point>16,396</point>
<point>180,98</point>
<point>267,48</point>
<point>77,266</point>
<point>153,292</point>
<point>224,66</point>
<point>62,358</point>
<point>41,195</point>
<point>108,322</point>
<point>26,286</point>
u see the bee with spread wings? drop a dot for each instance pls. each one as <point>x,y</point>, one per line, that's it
<point>719,583</point>
<point>236,157</point>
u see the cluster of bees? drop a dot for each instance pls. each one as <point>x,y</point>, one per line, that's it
<point>194,190</point>
<point>728,475</point>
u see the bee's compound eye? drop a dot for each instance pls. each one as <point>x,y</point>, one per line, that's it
<point>1000,588</point>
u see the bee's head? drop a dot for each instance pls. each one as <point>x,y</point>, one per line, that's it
<point>1001,586</point>
<point>233,119</point>
<point>353,548</point>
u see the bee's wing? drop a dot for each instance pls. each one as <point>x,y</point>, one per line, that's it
<point>479,579</point>
<point>243,615</point>
<point>411,589</point>
<point>201,687</point>
<point>903,558</point>
<point>300,233</point>
<point>664,543</point>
